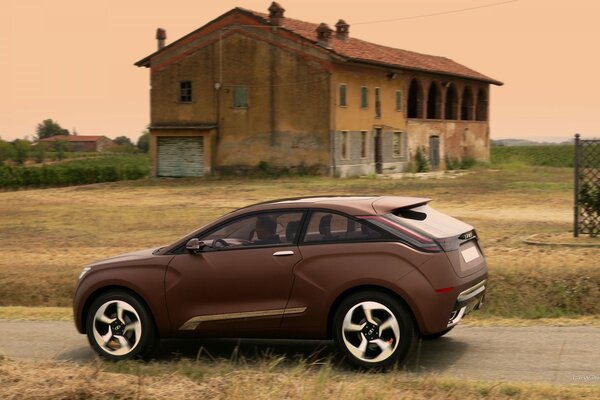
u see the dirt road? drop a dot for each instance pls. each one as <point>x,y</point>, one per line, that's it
<point>562,355</point>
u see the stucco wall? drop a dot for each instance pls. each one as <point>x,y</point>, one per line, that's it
<point>287,119</point>
<point>458,139</point>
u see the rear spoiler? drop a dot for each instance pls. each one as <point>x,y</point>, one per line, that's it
<point>390,204</point>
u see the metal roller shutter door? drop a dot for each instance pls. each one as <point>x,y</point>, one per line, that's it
<point>180,156</point>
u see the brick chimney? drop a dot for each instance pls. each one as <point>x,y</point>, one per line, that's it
<point>161,36</point>
<point>276,14</point>
<point>342,29</point>
<point>324,34</point>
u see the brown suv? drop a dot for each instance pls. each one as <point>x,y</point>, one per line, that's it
<point>372,273</point>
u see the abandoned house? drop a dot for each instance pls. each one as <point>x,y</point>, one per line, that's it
<point>85,143</point>
<point>251,87</point>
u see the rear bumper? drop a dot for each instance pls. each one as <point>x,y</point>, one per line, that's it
<point>467,301</point>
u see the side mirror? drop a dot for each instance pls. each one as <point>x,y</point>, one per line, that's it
<point>194,245</point>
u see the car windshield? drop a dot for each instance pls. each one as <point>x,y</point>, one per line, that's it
<point>429,221</point>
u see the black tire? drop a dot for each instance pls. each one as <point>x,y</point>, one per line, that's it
<point>437,335</point>
<point>376,353</point>
<point>120,333</point>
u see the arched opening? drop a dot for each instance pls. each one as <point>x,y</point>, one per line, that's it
<point>433,101</point>
<point>415,100</point>
<point>451,102</point>
<point>466,112</point>
<point>482,105</point>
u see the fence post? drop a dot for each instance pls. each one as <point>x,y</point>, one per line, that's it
<point>576,197</point>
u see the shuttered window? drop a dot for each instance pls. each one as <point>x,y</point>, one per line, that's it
<point>240,97</point>
<point>398,100</point>
<point>343,100</point>
<point>364,97</point>
<point>398,144</point>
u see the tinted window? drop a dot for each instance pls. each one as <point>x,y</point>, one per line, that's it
<point>327,227</point>
<point>265,229</point>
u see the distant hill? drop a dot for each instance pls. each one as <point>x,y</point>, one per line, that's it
<point>524,142</point>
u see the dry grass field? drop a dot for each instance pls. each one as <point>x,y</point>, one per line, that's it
<point>269,379</point>
<point>47,236</point>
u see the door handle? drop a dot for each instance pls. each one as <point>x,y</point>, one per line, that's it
<point>283,253</point>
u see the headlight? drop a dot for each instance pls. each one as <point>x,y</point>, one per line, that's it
<point>84,271</point>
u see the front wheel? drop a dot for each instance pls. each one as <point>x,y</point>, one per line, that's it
<point>374,330</point>
<point>119,326</point>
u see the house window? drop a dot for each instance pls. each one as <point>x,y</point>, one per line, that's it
<point>363,144</point>
<point>185,91</point>
<point>343,89</point>
<point>364,97</point>
<point>398,100</point>
<point>240,97</point>
<point>397,145</point>
<point>344,145</point>
<point>377,103</point>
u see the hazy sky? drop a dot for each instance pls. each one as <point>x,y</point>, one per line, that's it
<point>72,60</point>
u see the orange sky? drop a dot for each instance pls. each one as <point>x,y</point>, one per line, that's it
<point>72,60</point>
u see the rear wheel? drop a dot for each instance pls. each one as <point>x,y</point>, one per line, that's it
<point>374,330</point>
<point>119,326</point>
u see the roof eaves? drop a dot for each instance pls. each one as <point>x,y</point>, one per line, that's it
<point>383,64</point>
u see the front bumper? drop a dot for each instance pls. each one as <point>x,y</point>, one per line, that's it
<point>467,301</point>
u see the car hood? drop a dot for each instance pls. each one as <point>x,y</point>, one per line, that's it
<point>123,259</point>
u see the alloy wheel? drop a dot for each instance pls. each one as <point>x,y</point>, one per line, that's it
<point>117,327</point>
<point>370,331</point>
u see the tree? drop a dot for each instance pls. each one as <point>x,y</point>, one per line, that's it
<point>60,147</point>
<point>123,141</point>
<point>48,128</point>
<point>143,141</point>
<point>39,152</point>
<point>22,148</point>
<point>7,151</point>
<point>125,144</point>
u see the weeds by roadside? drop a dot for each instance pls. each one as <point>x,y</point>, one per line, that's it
<point>265,379</point>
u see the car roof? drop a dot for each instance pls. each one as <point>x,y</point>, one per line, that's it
<point>353,205</point>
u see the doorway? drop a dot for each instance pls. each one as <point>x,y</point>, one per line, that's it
<point>434,152</point>
<point>378,150</point>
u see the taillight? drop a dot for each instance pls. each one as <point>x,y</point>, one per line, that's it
<point>407,235</point>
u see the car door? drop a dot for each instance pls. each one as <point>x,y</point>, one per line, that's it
<point>240,282</point>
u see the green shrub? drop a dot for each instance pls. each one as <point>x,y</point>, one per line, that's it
<point>7,151</point>
<point>76,172</point>
<point>22,148</point>
<point>452,163</point>
<point>421,161</point>
<point>467,163</point>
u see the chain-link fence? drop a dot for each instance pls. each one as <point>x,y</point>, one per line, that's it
<point>587,186</point>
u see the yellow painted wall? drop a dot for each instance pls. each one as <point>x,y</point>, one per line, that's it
<point>353,116</point>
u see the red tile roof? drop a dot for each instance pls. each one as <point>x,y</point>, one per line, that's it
<point>360,50</point>
<point>356,50</point>
<point>73,138</point>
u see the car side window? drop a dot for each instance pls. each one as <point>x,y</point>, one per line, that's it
<point>264,229</point>
<point>333,227</point>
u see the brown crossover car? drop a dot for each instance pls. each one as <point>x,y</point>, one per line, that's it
<point>373,273</point>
